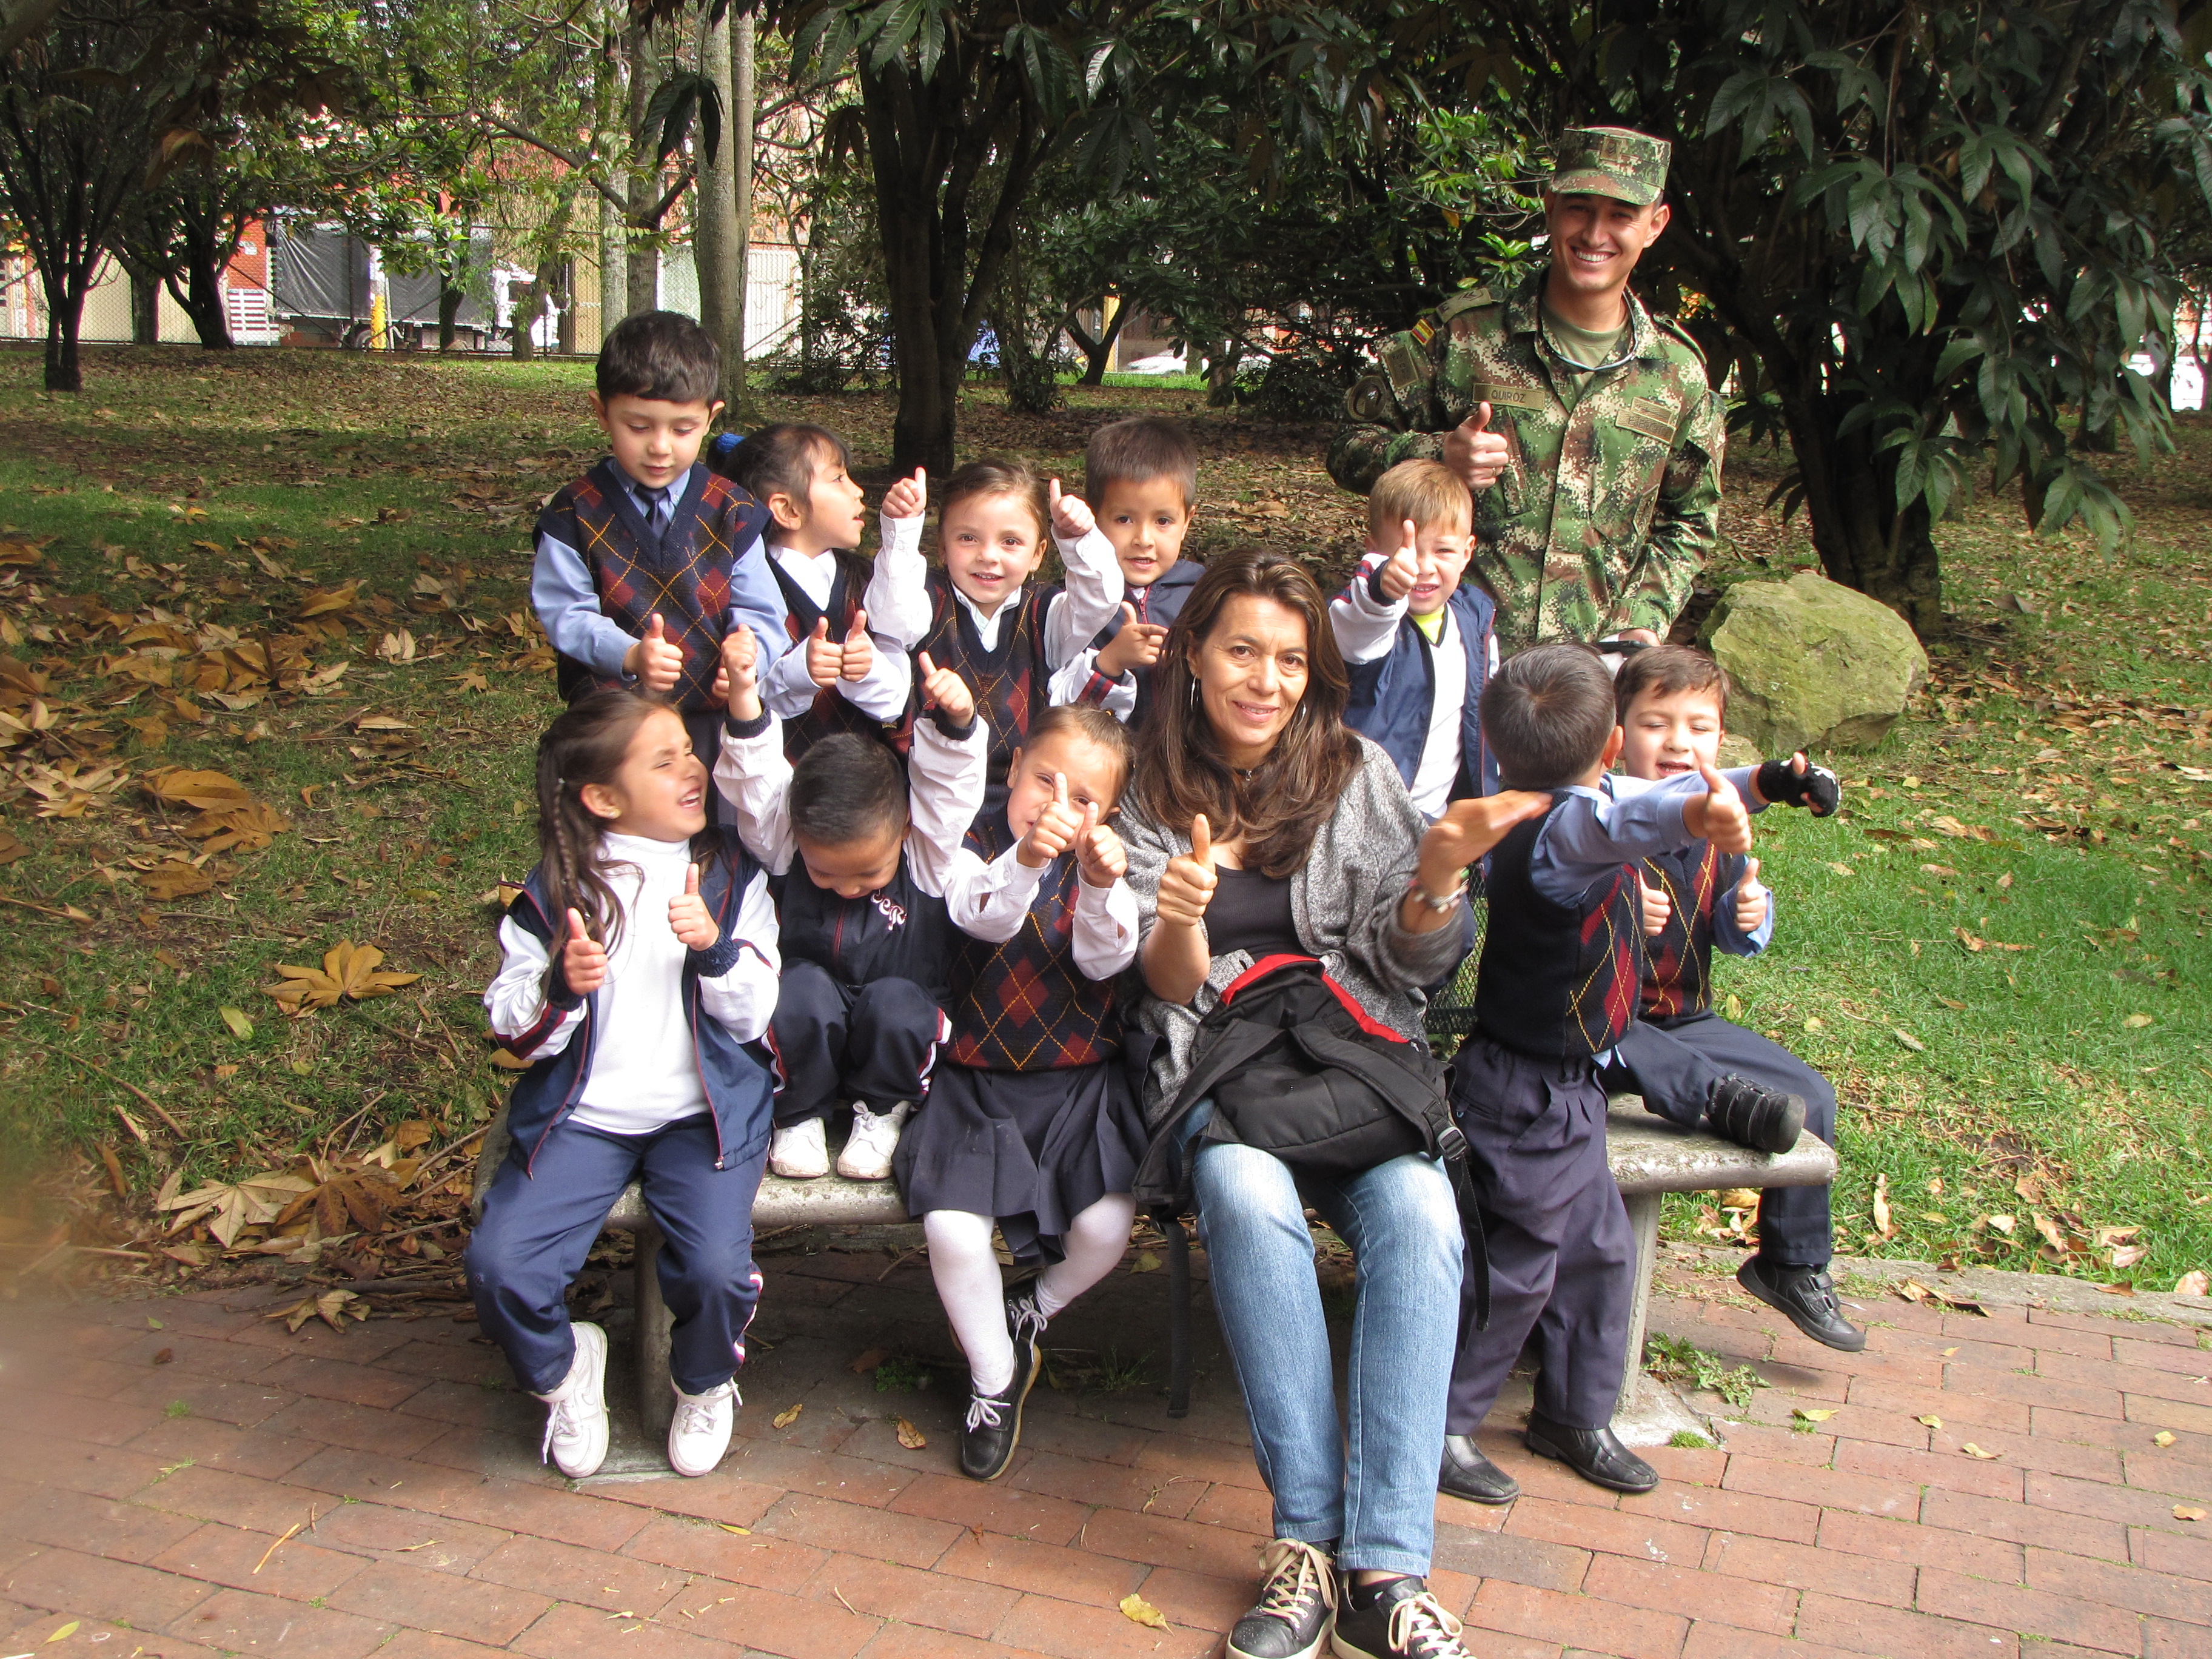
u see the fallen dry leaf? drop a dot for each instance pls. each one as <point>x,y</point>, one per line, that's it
<point>2193,1283</point>
<point>348,970</point>
<point>784,1419</point>
<point>327,601</point>
<point>742,1532</point>
<point>1882,1223</point>
<point>1812,1413</point>
<point>175,879</point>
<point>2136,1022</point>
<point>864,1363</point>
<point>911,1438</point>
<point>1135,1607</point>
<point>65,1631</point>
<point>240,1026</point>
<point>2187,1512</point>
<point>1146,1262</point>
<point>2163,1437</point>
<point>333,1308</point>
<point>1913,1290</point>
<point>1973,1450</point>
<point>1931,1421</point>
<point>229,1207</point>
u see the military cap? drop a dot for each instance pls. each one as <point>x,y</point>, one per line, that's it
<point>1627,166</point>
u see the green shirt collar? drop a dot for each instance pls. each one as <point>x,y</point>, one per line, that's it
<point>1523,316</point>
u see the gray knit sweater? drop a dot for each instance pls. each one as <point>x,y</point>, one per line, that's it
<point>1345,902</point>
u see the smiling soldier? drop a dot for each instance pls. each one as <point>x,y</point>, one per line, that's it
<point>1583,422</point>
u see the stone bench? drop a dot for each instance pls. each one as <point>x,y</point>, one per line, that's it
<point>1648,1155</point>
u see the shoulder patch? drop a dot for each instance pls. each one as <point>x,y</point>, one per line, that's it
<point>1368,402</point>
<point>1668,325</point>
<point>1403,364</point>
<point>1468,299</point>
<point>1423,330</point>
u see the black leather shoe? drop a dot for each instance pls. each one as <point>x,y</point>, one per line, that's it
<point>1297,1605</point>
<point>1596,1454</point>
<point>1804,1295</point>
<point>993,1427</point>
<point>1467,1474</point>
<point>1752,1114</point>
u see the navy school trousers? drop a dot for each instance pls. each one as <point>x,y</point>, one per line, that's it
<point>1561,1259</point>
<point>538,1227</point>
<point>836,1044</point>
<point>1673,1064</point>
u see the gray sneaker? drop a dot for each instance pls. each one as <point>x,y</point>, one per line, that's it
<point>1297,1606</point>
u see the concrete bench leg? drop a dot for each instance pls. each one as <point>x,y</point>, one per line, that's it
<point>1643,1222</point>
<point>656,1404</point>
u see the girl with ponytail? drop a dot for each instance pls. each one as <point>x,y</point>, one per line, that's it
<point>639,962</point>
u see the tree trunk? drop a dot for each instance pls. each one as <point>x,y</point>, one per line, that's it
<point>529,303</point>
<point>643,181</point>
<point>737,134</point>
<point>145,308</point>
<point>714,246</point>
<point>202,300</point>
<point>614,268</point>
<point>451,297</point>
<point>1097,353</point>
<point>1863,540</point>
<point>64,372</point>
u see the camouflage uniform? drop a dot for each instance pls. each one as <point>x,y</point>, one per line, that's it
<point>1610,499</point>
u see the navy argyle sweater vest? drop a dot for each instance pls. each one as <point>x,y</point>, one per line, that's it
<point>1557,981</point>
<point>831,711</point>
<point>1678,964</point>
<point>683,574</point>
<point>1392,697</point>
<point>1012,686</point>
<point>1024,1006</point>
<point>1159,604</point>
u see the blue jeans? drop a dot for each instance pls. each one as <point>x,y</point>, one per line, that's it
<point>1377,1493</point>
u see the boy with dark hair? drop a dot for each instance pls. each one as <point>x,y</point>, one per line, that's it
<point>1556,990</point>
<point>648,561</point>
<point>1140,478</point>
<point>1417,639</point>
<point>831,676</point>
<point>1691,1065</point>
<point>861,860</point>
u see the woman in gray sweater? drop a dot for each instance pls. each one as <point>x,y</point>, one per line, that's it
<point>1257,823</point>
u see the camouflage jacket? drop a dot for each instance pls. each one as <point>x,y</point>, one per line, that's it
<point>1610,501</point>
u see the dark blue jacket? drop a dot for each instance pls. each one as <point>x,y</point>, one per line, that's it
<point>1391,697</point>
<point>738,1086</point>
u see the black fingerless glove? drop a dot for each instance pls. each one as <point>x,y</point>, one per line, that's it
<point>1816,788</point>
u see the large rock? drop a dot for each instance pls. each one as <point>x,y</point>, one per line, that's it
<point>1812,666</point>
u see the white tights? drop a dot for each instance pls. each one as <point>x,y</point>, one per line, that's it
<point>966,1270</point>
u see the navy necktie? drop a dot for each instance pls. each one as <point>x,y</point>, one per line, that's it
<point>656,508</point>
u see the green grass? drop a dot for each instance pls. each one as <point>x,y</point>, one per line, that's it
<point>151,489</point>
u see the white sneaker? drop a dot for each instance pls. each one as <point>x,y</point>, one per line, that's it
<point>700,1433</point>
<point>799,1153</point>
<point>867,1155</point>
<point>576,1417</point>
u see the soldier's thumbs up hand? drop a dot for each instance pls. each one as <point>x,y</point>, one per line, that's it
<point>1474,452</point>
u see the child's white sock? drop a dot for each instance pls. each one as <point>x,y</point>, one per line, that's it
<point>974,1293</point>
<point>1094,1242</point>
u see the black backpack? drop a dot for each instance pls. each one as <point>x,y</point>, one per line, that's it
<point>1296,1067</point>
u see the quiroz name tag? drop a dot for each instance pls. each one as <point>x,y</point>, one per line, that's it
<point>1510,397</point>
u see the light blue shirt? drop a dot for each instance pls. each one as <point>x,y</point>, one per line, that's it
<point>1624,820</point>
<point>568,605</point>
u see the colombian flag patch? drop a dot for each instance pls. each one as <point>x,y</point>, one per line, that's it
<point>1423,331</point>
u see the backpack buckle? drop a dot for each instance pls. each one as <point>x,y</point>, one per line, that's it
<point>1451,1145</point>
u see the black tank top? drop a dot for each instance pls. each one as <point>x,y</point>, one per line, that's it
<point>1252,912</point>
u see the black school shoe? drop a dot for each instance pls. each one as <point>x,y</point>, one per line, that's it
<point>1298,1599</point>
<point>1596,1454</point>
<point>1752,1114</point>
<point>1397,1618</point>
<point>1806,1297</point>
<point>993,1428</point>
<point>1467,1474</point>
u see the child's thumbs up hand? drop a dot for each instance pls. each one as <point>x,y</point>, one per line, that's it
<point>1134,645</point>
<point>909,498</point>
<point>736,682</point>
<point>687,916</point>
<point>583,958</point>
<point>1656,906</point>
<point>1719,816</point>
<point>1071,515</point>
<point>656,661</point>
<point>1474,452</point>
<point>860,653</point>
<point>1055,829</point>
<point>1099,854</point>
<point>1187,884</point>
<point>826,657</point>
<point>943,688</point>
<point>1751,899</point>
<point>1403,569</point>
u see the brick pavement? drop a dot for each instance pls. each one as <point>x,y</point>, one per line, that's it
<point>333,1496</point>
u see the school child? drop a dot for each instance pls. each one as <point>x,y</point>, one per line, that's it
<point>976,616</point>
<point>867,945</point>
<point>1556,988</point>
<point>1140,478</point>
<point>646,561</point>
<point>1417,640</point>
<point>638,963</point>
<point>1030,1123</point>
<point>1689,1064</point>
<point>827,675</point>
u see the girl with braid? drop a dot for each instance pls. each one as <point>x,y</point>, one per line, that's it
<point>639,965</point>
